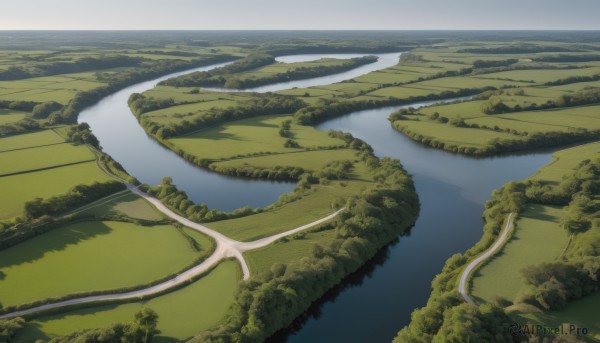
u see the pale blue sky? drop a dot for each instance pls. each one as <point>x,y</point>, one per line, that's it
<point>300,14</point>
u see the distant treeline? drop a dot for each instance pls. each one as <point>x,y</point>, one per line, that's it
<point>80,65</point>
<point>491,64</point>
<point>587,96</point>
<point>218,77</point>
<point>568,58</point>
<point>517,49</point>
<point>241,82</point>
<point>123,79</point>
<point>278,50</point>
<point>334,108</point>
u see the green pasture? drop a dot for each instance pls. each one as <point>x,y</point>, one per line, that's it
<point>29,140</point>
<point>465,109</point>
<point>564,161</point>
<point>462,82</point>
<point>10,116</point>
<point>308,160</point>
<point>92,256</point>
<point>122,203</point>
<point>541,75</point>
<point>182,313</point>
<point>43,157</point>
<point>248,136</point>
<point>18,189</point>
<point>583,313</point>
<point>452,135</point>
<point>287,251</point>
<point>60,88</point>
<point>538,237</point>
<point>570,117</point>
<point>312,206</point>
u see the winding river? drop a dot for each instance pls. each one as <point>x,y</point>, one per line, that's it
<point>374,303</point>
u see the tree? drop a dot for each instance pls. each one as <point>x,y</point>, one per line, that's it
<point>143,327</point>
<point>9,327</point>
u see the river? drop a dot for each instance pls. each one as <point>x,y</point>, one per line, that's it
<point>378,301</point>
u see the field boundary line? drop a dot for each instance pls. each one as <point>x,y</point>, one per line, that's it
<point>46,168</point>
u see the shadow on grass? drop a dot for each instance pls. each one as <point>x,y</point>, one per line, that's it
<point>538,212</point>
<point>55,240</point>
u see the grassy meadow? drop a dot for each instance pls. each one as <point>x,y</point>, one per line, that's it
<point>182,313</point>
<point>538,237</point>
<point>256,135</point>
<point>92,256</point>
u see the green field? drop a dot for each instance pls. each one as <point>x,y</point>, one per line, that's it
<point>28,140</point>
<point>538,237</point>
<point>248,136</point>
<point>50,88</point>
<point>314,205</point>
<point>450,134</point>
<point>583,313</point>
<point>285,252</point>
<point>18,189</point>
<point>17,161</point>
<point>182,313</point>
<point>10,116</point>
<point>92,256</point>
<point>564,161</point>
<point>308,160</point>
<point>122,203</point>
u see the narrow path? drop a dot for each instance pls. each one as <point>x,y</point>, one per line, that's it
<point>225,247</point>
<point>462,286</point>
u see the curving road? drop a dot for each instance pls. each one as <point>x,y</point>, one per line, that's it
<point>225,247</point>
<point>462,286</point>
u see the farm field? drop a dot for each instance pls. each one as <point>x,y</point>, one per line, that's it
<point>583,313</point>
<point>122,203</point>
<point>10,116</point>
<point>46,157</point>
<point>18,189</point>
<point>538,237</point>
<point>314,205</point>
<point>182,313</point>
<point>309,160</point>
<point>249,136</point>
<point>92,256</point>
<point>564,161</point>
<point>29,140</point>
<point>114,250</point>
<point>50,88</point>
<point>288,251</point>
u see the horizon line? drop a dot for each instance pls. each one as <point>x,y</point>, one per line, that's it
<point>313,30</point>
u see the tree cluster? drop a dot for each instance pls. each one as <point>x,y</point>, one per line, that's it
<point>75,197</point>
<point>257,104</point>
<point>218,77</point>
<point>141,330</point>
<point>240,81</point>
<point>81,134</point>
<point>64,67</point>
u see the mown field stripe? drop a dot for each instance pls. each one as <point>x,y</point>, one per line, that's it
<point>46,168</point>
<point>32,147</point>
